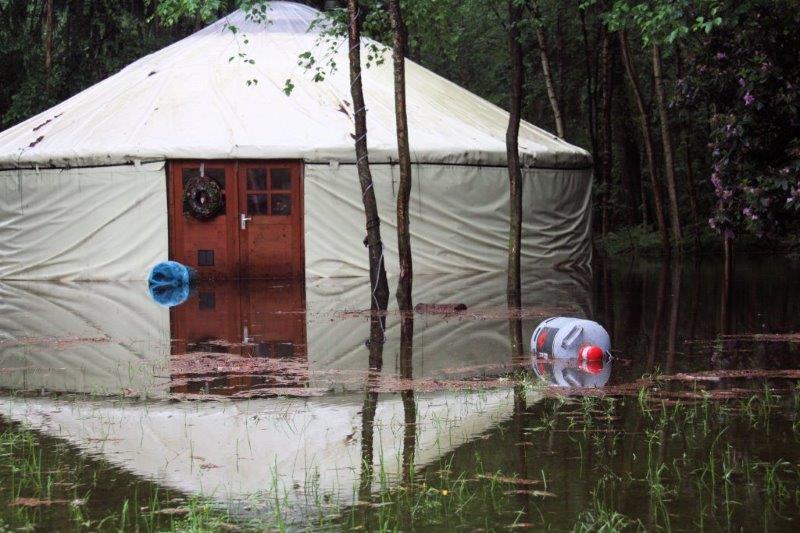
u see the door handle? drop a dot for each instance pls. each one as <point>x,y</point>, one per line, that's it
<point>243,220</point>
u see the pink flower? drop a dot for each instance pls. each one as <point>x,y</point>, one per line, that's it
<point>749,98</point>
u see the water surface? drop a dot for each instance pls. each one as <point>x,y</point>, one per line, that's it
<point>260,404</point>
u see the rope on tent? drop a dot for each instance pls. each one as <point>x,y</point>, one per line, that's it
<point>375,288</point>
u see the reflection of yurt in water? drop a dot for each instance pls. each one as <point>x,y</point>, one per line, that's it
<point>105,184</point>
<point>229,450</point>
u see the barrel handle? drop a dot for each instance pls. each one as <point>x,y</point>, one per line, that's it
<point>572,337</point>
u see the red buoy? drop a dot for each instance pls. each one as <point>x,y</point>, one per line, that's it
<point>590,353</point>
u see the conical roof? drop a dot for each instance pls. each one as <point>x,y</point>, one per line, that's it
<point>191,100</point>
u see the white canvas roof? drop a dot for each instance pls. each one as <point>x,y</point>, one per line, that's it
<point>190,100</point>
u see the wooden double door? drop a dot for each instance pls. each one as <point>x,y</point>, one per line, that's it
<point>258,230</point>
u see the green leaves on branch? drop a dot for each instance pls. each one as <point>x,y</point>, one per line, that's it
<point>170,12</point>
<point>332,27</point>
<point>662,22</point>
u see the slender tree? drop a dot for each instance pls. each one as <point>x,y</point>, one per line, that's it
<point>645,123</point>
<point>606,163</point>
<point>591,90</point>
<point>512,151</point>
<point>552,95</point>
<point>405,280</point>
<point>48,38</point>
<point>669,152</point>
<point>685,127</point>
<point>377,269</point>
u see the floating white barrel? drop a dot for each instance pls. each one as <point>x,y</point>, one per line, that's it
<point>565,338</point>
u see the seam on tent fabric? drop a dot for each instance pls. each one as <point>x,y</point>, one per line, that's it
<point>126,164</point>
<point>395,163</point>
<point>379,163</point>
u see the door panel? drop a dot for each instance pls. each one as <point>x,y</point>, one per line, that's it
<point>208,246</point>
<point>270,235</point>
<point>259,234</point>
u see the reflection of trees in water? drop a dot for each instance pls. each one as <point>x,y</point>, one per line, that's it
<point>370,405</point>
<point>407,394</point>
<point>377,329</point>
<point>674,309</point>
<point>655,311</point>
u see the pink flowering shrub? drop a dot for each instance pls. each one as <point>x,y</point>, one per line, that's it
<point>746,74</point>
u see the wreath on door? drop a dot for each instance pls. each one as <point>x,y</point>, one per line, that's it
<point>202,198</point>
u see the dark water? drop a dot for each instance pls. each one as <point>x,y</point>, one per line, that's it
<point>272,405</point>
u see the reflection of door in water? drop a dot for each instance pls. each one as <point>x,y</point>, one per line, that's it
<point>259,231</point>
<point>223,322</point>
<point>270,203</point>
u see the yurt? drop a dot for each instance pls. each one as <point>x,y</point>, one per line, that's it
<point>195,153</point>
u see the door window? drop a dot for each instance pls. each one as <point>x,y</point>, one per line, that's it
<point>271,197</point>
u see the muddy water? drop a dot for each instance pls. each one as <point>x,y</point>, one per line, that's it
<point>265,405</point>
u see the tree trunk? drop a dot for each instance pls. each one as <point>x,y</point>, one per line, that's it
<point>669,153</point>
<point>48,46</point>
<point>377,271</point>
<point>690,184</point>
<point>630,162</point>
<point>512,152</point>
<point>605,138</point>
<point>404,190</point>
<point>548,78</point>
<point>560,55</point>
<point>692,192</point>
<point>647,139</point>
<point>590,91</point>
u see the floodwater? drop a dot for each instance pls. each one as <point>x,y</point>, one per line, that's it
<point>270,405</point>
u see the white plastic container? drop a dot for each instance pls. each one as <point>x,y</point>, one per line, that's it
<point>563,337</point>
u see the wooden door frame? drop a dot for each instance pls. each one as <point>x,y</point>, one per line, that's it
<point>175,206</point>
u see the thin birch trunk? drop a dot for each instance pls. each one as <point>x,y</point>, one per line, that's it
<point>548,78</point>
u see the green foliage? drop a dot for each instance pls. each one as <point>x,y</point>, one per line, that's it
<point>91,41</point>
<point>663,21</point>
<point>172,11</point>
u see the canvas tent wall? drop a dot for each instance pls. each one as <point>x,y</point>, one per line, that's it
<point>83,187</point>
